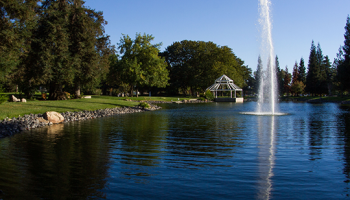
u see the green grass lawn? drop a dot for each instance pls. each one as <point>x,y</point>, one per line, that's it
<point>333,98</point>
<point>13,109</point>
<point>146,98</point>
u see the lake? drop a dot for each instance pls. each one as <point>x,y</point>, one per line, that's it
<point>185,151</point>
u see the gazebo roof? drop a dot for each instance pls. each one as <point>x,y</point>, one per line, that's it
<point>224,83</point>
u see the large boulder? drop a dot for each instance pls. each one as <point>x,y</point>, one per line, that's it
<point>42,120</point>
<point>14,99</point>
<point>53,117</point>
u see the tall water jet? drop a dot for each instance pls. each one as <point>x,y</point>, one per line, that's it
<point>267,94</point>
<point>267,97</point>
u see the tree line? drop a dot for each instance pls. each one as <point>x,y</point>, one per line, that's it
<point>58,44</point>
<point>322,76</point>
<point>61,45</point>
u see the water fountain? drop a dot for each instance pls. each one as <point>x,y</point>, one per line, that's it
<point>267,97</point>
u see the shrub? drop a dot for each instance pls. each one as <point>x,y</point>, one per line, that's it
<point>3,98</point>
<point>67,95</point>
<point>209,95</point>
<point>144,105</point>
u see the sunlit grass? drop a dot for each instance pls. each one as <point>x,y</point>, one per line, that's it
<point>332,98</point>
<point>14,109</point>
<point>146,98</point>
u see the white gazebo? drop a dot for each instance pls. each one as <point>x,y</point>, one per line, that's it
<point>224,84</point>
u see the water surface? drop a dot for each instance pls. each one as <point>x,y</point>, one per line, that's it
<point>185,151</point>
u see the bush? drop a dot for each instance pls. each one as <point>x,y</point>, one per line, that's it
<point>209,95</point>
<point>3,98</point>
<point>144,105</point>
<point>67,95</point>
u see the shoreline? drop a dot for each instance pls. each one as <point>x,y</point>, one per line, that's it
<point>305,100</point>
<point>11,126</point>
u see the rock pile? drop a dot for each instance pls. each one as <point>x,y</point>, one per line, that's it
<point>9,127</point>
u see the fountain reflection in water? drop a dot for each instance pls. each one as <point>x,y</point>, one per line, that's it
<point>266,156</point>
<point>267,97</point>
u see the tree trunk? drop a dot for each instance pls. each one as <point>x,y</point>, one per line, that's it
<point>77,89</point>
<point>56,92</point>
<point>329,89</point>
<point>28,92</point>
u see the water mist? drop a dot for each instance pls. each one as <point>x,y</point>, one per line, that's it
<point>267,96</point>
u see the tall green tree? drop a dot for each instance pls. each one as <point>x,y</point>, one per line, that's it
<point>295,74</point>
<point>18,19</point>
<point>89,47</point>
<point>194,65</point>
<point>323,70</point>
<point>286,82</point>
<point>312,78</point>
<point>297,86</point>
<point>258,74</point>
<point>142,65</point>
<point>343,61</point>
<point>67,48</point>
<point>280,76</point>
<point>49,61</point>
<point>337,65</point>
<point>302,71</point>
<point>329,73</point>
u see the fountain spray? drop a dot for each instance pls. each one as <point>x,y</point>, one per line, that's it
<point>267,97</point>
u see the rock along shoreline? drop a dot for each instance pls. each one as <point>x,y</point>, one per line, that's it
<point>9,127</point>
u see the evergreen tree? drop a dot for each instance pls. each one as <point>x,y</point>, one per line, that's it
<point>89,48</point>
<point>337,65</point>
<point>312,80</point>
<point>343,60</point>
<point>295,75</point>
<point>49,61</point>
<point>258,74</point>
<point>280,76</point>
<point>9,38</point>
<point>329,74</point>
<point>302,71</point>
<point>322,68</point>
<point>286,82</point>
<point>346,47</point>
<point>17,22</point>
<point>319,54</point>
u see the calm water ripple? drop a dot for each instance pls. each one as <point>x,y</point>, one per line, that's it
<point>185,151</point>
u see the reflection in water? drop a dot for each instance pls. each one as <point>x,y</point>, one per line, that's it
<point>49,163</point>
<point>266,126</point>
<point>204,151</point>
<point>344,133</point>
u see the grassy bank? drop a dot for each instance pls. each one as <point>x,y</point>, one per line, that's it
<point>307,98</point>
<point>13,109</point>
<point>310,98</point>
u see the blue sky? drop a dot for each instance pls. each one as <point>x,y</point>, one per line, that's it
<point>232,23</point>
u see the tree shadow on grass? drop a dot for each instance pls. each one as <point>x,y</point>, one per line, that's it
<point>82,109</point>
<point>112,104</point>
